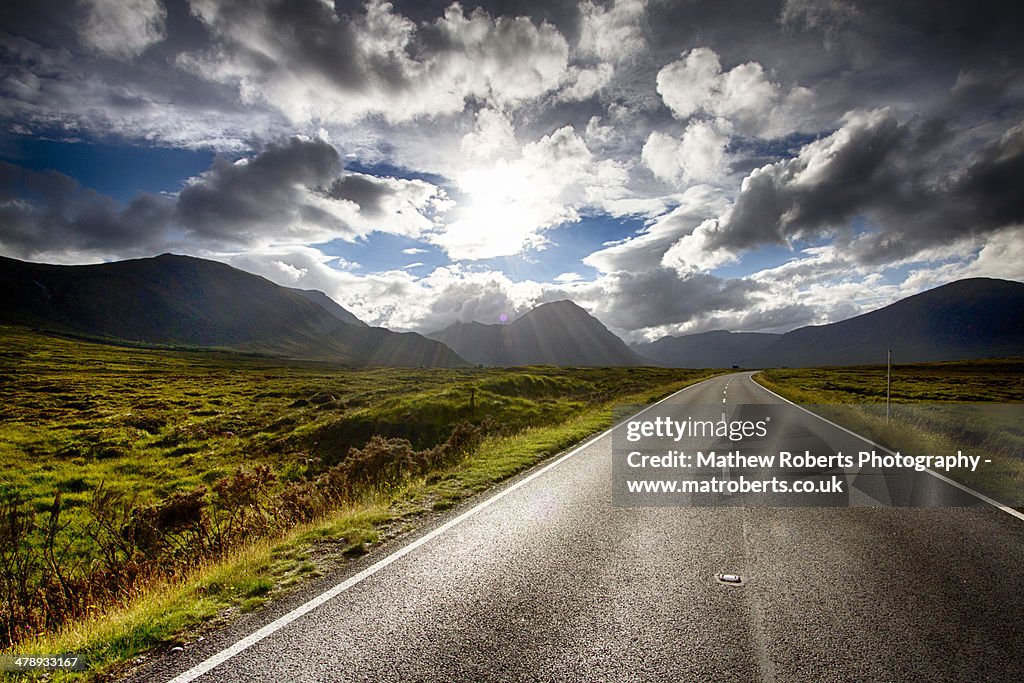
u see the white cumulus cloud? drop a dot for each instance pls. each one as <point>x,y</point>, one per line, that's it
<point>613,33</point>
<point>698,156</point>
<point>743,97</point>
<point>123,28</point>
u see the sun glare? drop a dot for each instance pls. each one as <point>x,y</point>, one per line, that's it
<point>498,215</point>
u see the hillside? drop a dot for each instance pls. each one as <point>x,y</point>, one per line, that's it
<point>715,349</point>
<point>558,333</point>
<point>186,301</point>
<point>973,318</point>
<point>330,305</point>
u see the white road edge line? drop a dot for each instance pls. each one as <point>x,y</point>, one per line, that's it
<point>282,621</point>
<point>966,489</point>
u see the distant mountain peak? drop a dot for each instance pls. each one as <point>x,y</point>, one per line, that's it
<point>553,333</point>
<point>560,305</point>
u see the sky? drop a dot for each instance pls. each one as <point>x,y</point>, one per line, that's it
<point>671,166</point>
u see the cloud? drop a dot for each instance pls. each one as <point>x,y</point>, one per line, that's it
<point>776,318</point>
<point>582,83</point>
<point>400,299</point>
<point>506,205</point>
<point>832,285</point>
<point>493,136</point>
<point>50,216</point>
<point>647,249</point>
<point>991,182</point>
<point>53,91</point>
<point>393,205</point>
<point>699,156</point>
<point>613,34</point>
<point>278,195</point>
<point>313,63</point>
<point>743,97</point>
<point>1002,255</point>
<point>906,181</point>
<point>657,297</point>
<point>697,251</point>
<point>294,192</point>
<point>828,16</point>
<point>123,29</point>
<point>828,183</point>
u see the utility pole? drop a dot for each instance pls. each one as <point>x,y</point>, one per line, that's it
<point>888,382</point>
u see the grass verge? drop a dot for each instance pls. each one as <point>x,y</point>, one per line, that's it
<point>169,613</point>
<point>937,408</point>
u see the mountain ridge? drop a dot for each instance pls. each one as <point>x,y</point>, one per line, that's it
<point>960,320</point>
<point>184,300</point>
<point>553,333</point>
<point>712,349</point>
<point>329,305</point>
<point>187,301</point>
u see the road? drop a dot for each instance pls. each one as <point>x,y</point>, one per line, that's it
<point>553,582</point>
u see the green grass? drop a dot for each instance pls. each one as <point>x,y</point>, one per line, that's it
<point>937,408</point>
<point>996,380</point>
<point>153,423</point>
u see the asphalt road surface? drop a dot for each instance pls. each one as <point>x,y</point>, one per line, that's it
<point>553,582</point>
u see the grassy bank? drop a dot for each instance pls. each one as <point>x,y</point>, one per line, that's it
<point>936,408</point>
<point>158,491</point>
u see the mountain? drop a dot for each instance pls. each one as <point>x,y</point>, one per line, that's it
<point>715,349</point>
<point>557,333</point>
<point>186,301</point>
<point>973,318</point>
<point>330,305</point>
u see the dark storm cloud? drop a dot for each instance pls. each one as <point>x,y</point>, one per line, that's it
<point>47,212</point>
<point>239,202</point>
<point>652,298</point>
<point>295,192</point>
<point>292,191</point>
<point>364,190</point>
<point>982,198</point>
<point>903,179</point>
<point>992,184</point>
<point>852,54</point>
<point>51,24</point>
<point>306,34</point>
<point>825,186</point>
